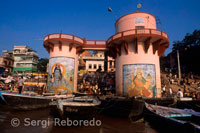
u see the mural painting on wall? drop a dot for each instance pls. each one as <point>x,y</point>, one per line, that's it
<point>61,75</point>
<point>139,80</point>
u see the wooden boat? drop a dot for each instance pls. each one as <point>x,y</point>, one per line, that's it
<point>171,119</point>
<point>75,108</point>
<point>180,103</point>
<point>26,102</point>
<point>188,103</point>
<point>116,106</point>
<point>137,110</point>
<point>120,106</point>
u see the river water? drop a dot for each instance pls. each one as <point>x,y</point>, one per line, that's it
<point>41,121</point>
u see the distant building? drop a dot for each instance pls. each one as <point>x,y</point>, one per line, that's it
<point>94,62</point>
<point>25,59</point>
<point>111,64</point>
<point>6,62</point>
<point>82,62</point>
<point>91,63</point>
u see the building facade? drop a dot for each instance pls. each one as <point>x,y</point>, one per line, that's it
<point>110,64</point>
<point>25,59</point>
<point>91,63</point>
<point>6,62</point>
<point>94,62</point>
<point>82,62</point>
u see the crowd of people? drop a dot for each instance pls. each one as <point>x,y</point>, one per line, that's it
<point>97,83</point>
<point>23,84</point>
<point>188,86</point>
<point>102,83</point>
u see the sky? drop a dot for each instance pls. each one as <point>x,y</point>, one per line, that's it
<point>24,22</point>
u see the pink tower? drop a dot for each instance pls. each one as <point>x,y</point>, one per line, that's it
<point>63,63</point>
<point>64,50</point>
<point>136,47</point>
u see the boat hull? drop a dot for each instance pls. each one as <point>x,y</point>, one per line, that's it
<point>181,104</point>
<point>165,124</point>
<point>193,104</point>
<point>84,113</point>
<point>116,106</point>
<point>69,109</point>
<point>124,107</point>
<point>24,102</point>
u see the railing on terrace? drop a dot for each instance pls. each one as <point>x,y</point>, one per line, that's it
<point>64,36</point>
<point>138,32</point>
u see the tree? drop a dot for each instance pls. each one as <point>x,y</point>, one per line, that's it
<point>163,63</point>
<point>189,49</point>
<point>42,64</point>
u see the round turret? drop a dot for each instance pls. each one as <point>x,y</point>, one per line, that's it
<point>63,62</point>
<point>136,47</point>
<point>138,20</point>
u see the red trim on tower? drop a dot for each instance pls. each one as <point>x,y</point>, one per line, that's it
<point>60,45</point>
<point>118,49</point>
<point>51,46</point>
<point>156,45</point>
<point>125,45</point>
<point>70,47</point>
<point>135,45</point>
<point>147,44</point>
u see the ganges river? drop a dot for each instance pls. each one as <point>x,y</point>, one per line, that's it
<point>41,121</point>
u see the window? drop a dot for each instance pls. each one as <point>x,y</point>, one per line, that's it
<point>110,62</point>
<point>139,27</point>
<point>95,66</point>
<point>99,66</point>
<point>90,66</point>
<point>5,62</point>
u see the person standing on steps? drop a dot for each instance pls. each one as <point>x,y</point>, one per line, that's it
<point>179,93</point>
<point>21,84</point>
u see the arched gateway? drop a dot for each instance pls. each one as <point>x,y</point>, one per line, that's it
<point>136,47</point>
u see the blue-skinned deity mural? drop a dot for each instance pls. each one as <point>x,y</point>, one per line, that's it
<point>61,75</point>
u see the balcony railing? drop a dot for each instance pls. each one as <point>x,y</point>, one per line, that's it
<point>64,36</point>
<point>94,58</point>
<point>137,32</point>
<point>26,53</point>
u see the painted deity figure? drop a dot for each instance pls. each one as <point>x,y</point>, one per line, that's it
<point>58,81</point>
<point>57,75</point>
<point>139,85</point>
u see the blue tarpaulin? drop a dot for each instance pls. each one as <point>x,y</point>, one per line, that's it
<point>1,96</point>
<point>1,70</point>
